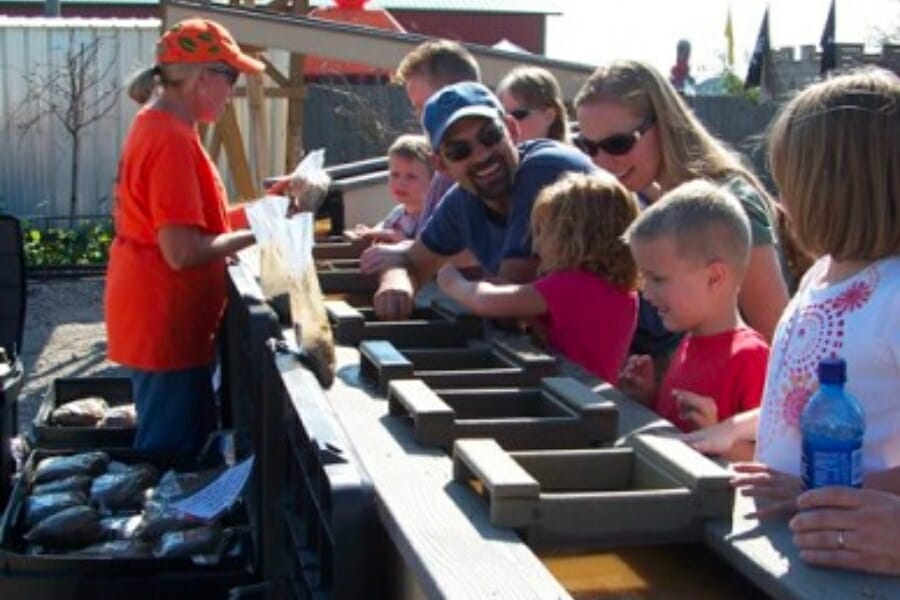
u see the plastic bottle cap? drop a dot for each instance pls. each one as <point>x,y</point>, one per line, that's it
<point>832,370</point>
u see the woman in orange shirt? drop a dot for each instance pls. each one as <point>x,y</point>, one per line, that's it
<point>165,288</point>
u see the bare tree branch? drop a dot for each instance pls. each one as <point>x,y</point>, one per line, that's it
<point>77,94</point>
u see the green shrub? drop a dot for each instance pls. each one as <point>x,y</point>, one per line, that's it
<point>84,244</point>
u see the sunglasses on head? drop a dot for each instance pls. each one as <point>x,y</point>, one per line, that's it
<point>520,114</point>
<point>616,144</point>
<point>229,73</point>
<point>488,136</point>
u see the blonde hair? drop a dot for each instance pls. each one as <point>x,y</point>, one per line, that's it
<point>441,62</point>
<point>537,88</point>
<point>834,152</point>
<point>143,83</point>
<point>687,150</point>
<point>705,221</point>
<point>578,222</point>
<point>412,147</point>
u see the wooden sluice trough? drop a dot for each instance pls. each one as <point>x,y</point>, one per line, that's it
<point>492,363</point>
<point>336,248</point>
<point>425,473</point>
<point>652,490</point>
<point>345,278</point>
<point>443,323</point>
<point>560,413</point>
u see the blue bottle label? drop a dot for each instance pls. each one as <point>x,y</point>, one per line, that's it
<point>831,462</point>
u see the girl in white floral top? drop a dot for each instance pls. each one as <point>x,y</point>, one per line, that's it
<point>835,156</point>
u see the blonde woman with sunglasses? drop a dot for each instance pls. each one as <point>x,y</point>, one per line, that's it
<point>636,126</point>
<point>531,96</point>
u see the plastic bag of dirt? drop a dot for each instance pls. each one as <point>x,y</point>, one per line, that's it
<point>289,281</point>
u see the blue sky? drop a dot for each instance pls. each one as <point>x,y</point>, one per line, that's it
<point>595,31</point>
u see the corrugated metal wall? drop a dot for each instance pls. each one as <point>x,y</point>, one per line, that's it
<point>34,167</point>
<point>351,121</point>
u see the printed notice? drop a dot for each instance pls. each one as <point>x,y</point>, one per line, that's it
<point>217,497</point>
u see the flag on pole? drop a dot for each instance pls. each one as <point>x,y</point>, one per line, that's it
<point>829,46</point>
<point>760,51</point>
<point>729,40</point>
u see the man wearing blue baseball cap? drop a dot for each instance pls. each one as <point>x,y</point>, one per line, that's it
<point>488,210</point>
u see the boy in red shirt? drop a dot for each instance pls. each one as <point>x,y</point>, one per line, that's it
<point>692,248</point>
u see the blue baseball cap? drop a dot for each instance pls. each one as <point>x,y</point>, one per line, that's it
<point>454,102</point>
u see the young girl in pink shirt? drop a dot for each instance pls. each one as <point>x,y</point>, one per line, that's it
<point>584,301</point>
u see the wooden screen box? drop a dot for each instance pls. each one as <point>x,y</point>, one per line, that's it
<point>561,413</point>
<point>497,363</point>
<point>653,490</point>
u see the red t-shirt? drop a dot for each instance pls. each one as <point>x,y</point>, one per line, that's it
<point>588,319</point>
<point>158,318</point>
<point>729,367</point>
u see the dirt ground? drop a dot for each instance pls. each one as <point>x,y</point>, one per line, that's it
<point>64,337</point>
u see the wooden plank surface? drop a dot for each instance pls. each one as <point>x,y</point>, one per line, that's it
<point>764,552</point>
<point>440,527</point>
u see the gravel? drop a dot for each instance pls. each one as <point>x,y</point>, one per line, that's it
<point>64,337</point>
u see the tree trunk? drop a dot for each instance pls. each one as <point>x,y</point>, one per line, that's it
<point>73,180</point>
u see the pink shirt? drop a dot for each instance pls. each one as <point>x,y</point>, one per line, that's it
<point>729,367</point>
<point>588,319</point>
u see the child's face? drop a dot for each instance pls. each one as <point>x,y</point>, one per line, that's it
<point>678,287</point>
<point>408,181</point>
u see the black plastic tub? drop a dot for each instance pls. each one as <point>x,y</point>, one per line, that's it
<point>69,577</point>
<point>12,286</point>
<point>10,386</point>
<point>115,390</point>
<point>12,324</point>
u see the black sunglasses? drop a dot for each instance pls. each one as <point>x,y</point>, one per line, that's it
<point>617,144</point>
<point>520,114</point>
<point>488,136</point>
<point>230,73</point>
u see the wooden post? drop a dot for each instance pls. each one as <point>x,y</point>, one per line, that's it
<point>228,131</point>
<point>296,101</point>
<point>256,103</point>
<point>259,141</point>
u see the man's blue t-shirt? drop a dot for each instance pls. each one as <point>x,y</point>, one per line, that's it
<point>464,222</point>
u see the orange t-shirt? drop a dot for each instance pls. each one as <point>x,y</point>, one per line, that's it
<point>157,318</point>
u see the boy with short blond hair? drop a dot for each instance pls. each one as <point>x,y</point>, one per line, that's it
<point>409,176</point>
<point>692,248</point>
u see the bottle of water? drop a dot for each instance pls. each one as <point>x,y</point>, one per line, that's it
<point>832,425</point>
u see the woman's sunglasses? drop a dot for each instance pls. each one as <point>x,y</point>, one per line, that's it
<point>230,73</point>
<point>488,136</point>
<point>617,144</point>
<point>520,114</point>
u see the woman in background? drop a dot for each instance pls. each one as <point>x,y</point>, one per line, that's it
<point>531,95</point>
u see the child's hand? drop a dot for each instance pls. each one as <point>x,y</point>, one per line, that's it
<point>638,379</point>
<point>381,257</point>
<point>375,235</point>
<point>716,439</point>
<point>699,411</point>
<point>357,232</point>
<point>448,277</point>
<point>775,492</point>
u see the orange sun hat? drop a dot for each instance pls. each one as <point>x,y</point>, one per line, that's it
<point>203,41</point>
